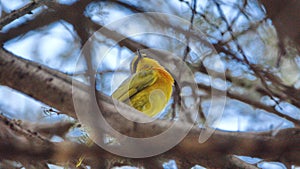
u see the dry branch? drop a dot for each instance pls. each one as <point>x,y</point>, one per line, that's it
<point>20,12</point>
<point>20,144</point>
<point>49,129</point>
<point>285,16</point>
<point>38,81</point>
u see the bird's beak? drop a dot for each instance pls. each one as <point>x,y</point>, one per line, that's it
<point>135,61</point>
<point>140,56</point>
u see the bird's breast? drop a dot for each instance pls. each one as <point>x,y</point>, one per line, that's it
<point>154,98</point>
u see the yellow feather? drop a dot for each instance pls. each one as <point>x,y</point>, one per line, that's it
<point>148,89</point>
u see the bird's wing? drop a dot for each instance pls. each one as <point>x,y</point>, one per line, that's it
<point>135,84</point>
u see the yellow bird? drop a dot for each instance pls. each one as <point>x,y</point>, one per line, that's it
<point>148,89</point>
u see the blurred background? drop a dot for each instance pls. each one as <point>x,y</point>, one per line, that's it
<point>257,43</point>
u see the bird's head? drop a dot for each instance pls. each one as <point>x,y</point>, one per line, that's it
<point>142,62</point>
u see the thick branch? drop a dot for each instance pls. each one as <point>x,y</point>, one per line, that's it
<point>286,18</point>
<point>47,17</point>
<point>50,129</point>
<point>20,12</point>
<point>55,89</point>
<point>21,144</point>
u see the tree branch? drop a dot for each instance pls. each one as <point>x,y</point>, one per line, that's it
<point>21,144</point>
<point>20,12</point>
<point>38,82</point>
